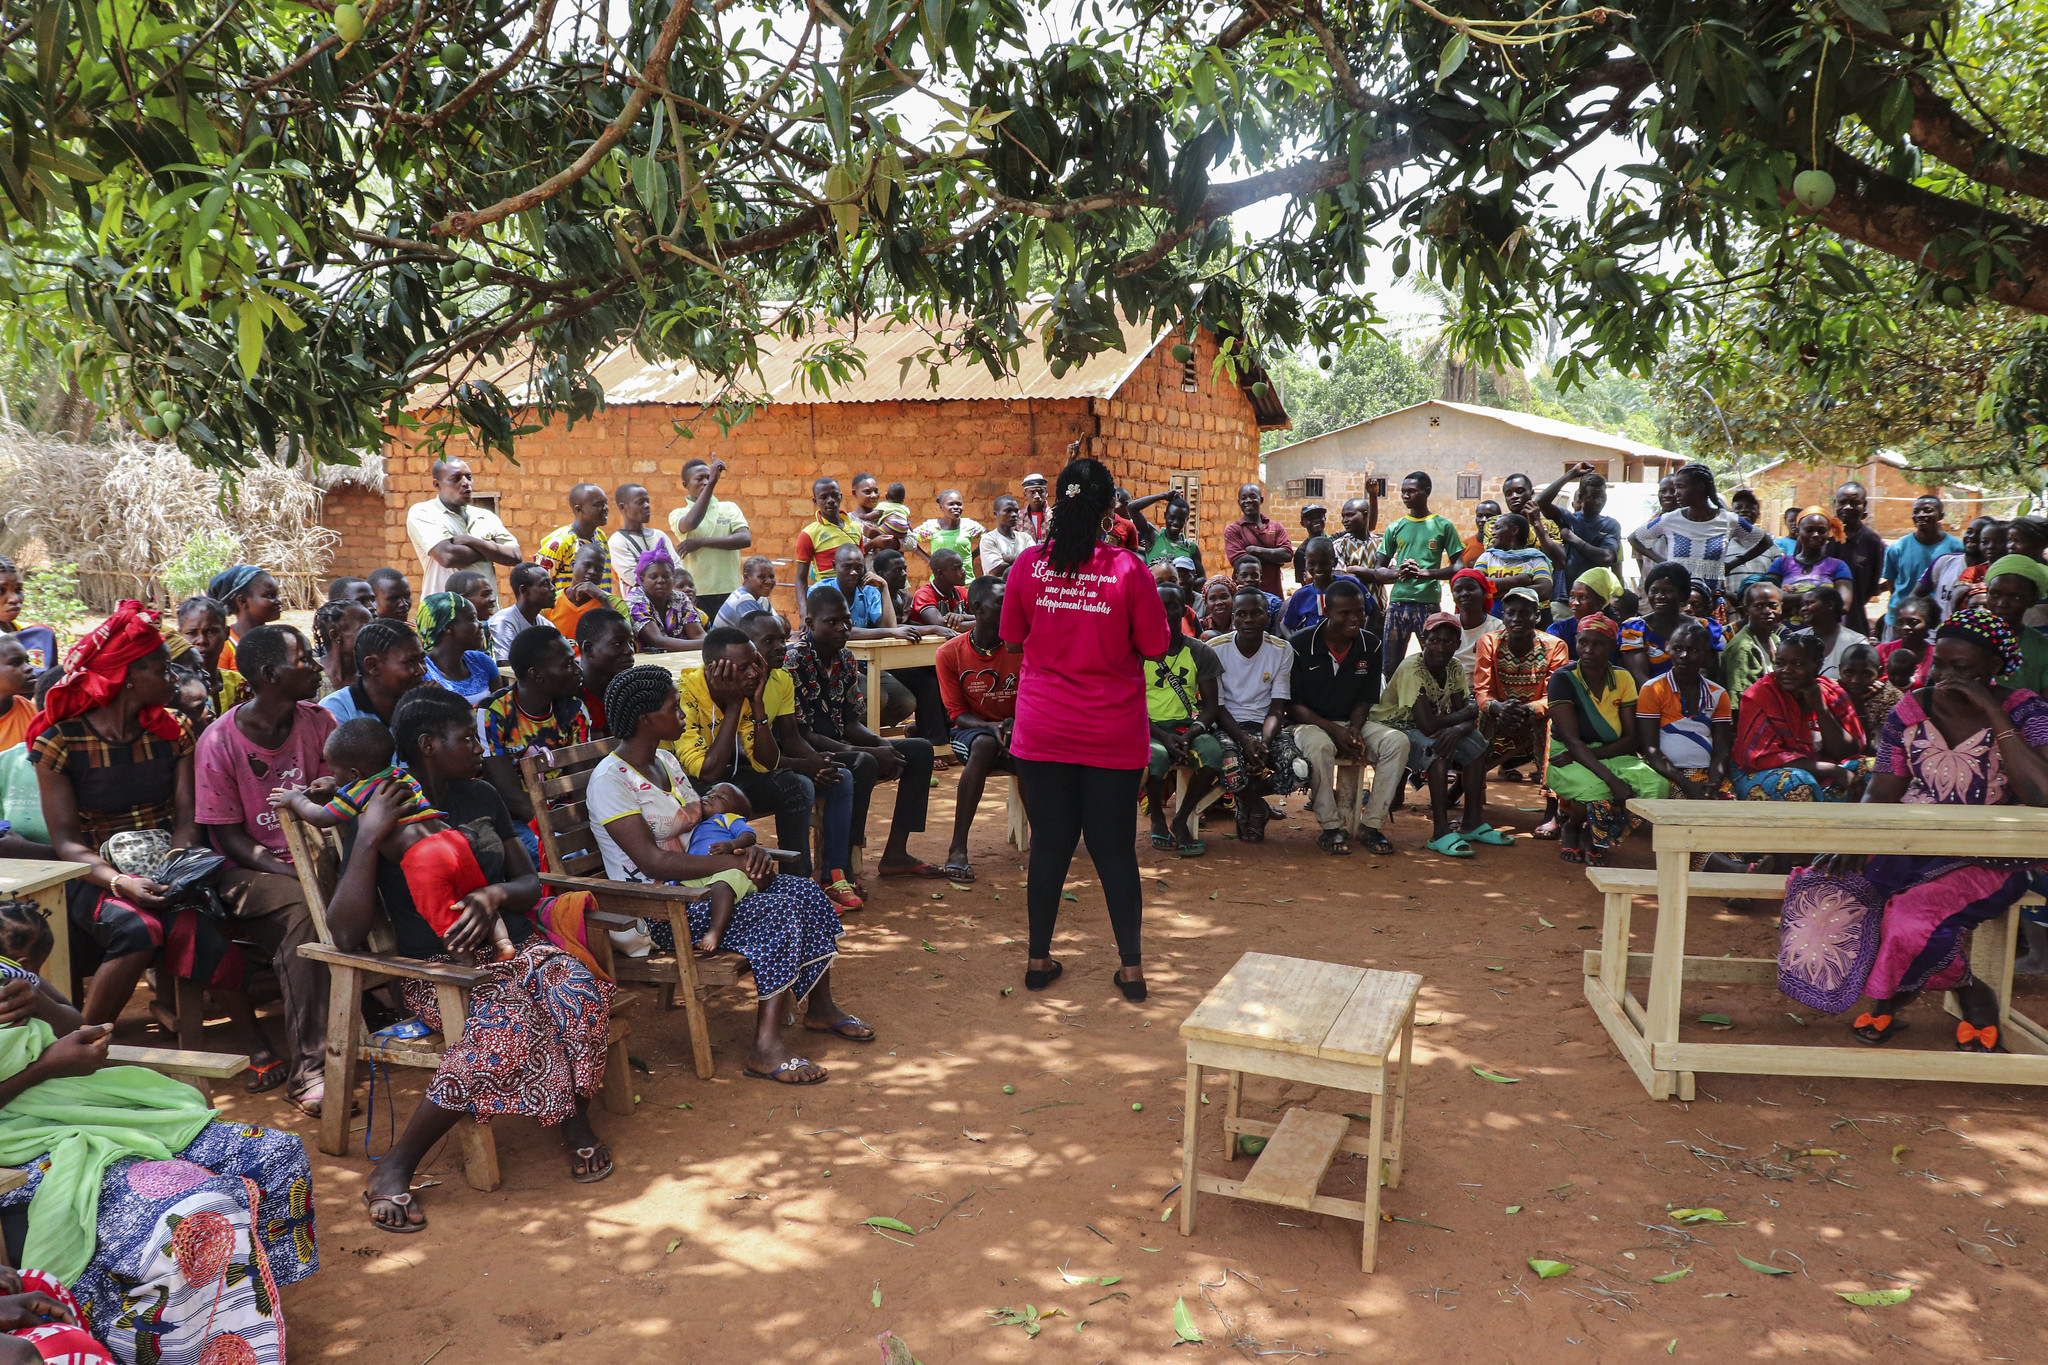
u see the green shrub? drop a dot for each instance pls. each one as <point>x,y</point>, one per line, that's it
<point>50,596</point>
<point>185,574</point>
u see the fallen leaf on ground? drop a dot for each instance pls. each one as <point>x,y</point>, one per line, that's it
<point>1184,1322</point>
<point>876,1297</point>
<point>894,1225</point>
<point>672,1247</point>
<point>1483,1074</point>
<point>1068,896</point>
<point>1514,1208</point>
<point>1702,1216</point>
<point>1898,1152</point>
<point>1760,1267</point>
<point>1977,1251</point>
<point>928,945</point>
<point>1548,1270</point>
<point>1717,1020</point>
<point>1877,1298</point>
<point>973,1137</point>
<point>1677,1274</point>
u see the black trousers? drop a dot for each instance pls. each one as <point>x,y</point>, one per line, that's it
<point>913,788</point>
<point>1065,802</point>
<point>789,795</point>
<point>933,724</point>
<point>709,603</point>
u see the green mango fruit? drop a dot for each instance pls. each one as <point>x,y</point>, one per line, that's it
<point>348,22</point>
<point>1813,189</point>
<point>154,426</point>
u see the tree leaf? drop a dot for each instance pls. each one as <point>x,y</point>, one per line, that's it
<point>1184,1322</point>
<point>1866,13</point>
<point>1701,1216</point>
<point>1483,1074</point>
<point>1877,1298</point>
<point>1677,1274</point>
<point>1453,58</point>
<point>1721,1019</point>
<point>1760,1267</point>
<point>679,1241</point>
<point>1548,1270</point>
<point>890,1223</point>
<point>1513,1208</point>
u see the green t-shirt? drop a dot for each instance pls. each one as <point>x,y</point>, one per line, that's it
<point>1173,684</point>
<point>1431,542</point>
<point>1164,547</point>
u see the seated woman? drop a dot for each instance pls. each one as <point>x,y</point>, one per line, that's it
<point>538,1021</point>
<point>204,622</point>
<point>1796,734</point>
<point>171,1231</point>
<point>1646,639</point>
<point>1915,621</point>
<point>783,925</point>
<point>1753,647</point>
<point>1593,767</point>
<point>454,643</point>
<point>1217,609</point>
<point>1472,605</point>
<point>662,607</point>
<point>110,758</point>
<point>334,644</point>
<point>1892,926</point>
<point>1595,590</point>
<point>1684,722</point>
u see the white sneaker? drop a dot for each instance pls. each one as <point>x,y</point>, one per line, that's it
<point>633,942</point>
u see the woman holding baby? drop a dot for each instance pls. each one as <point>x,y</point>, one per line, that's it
<point>650,822</point>
<point>535,1040</point>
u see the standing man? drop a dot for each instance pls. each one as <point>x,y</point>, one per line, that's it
<point>634,536</point>
<point>1259,536</point>
<point>819,542</point>
<point>449,533</point>
<point>1591,540</point>
<point>1037,516</point>
<point>1906,558</point>
<point>1003,542</point>
<point>710,535</point>
<point>1417,552</point>
<point>1358,547</point>
<point>1862,549</point>
<point>1315,521</point>
<point>589,510</point>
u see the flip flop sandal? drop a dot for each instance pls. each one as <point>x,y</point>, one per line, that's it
<point>592,1174</point>
<point>1881,1026</point>
<point>1487,834</point>
<point>1599,855</point>
<point>401,1202</point>
<point>840,1029</point>
<point>269,1076</point>
<point>1193,848</point>
<point>927,870</point>
<point>958,872</point>
<point>1450,845</point>
<point>777,1075</point>
<point>1162,841</point>
<point>1572,854</point>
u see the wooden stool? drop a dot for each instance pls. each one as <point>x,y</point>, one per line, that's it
<point>1317,1022</point>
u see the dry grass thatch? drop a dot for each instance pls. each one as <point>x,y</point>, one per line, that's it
<point>122,511</point>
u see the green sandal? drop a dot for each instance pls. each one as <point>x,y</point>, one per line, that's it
<point>1487,834</point>
<point>1451,845</point>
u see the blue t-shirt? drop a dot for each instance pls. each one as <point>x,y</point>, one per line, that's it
<point>1602,531</point>
<point>1305,607</point>
<point>348,704</point>
<point>717,829</point>
<point>1905,559</point>
<point>865,607</point>
<point>483,676</point>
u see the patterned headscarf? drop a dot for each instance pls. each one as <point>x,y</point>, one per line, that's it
<point>97,667</point>
<point>1987,632</point>
<point>224,586</point>
<point>1599,624</point>
<point>435,614</point>
<point>1484,582</point>
<point>1835,531</point>
<point>658,554</point>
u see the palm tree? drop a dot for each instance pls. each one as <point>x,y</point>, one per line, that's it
<point>1459,377</point>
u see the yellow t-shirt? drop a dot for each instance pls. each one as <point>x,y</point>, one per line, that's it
<point>701,716</point>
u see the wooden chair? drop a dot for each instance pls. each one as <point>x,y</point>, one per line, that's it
<point>570,861</point>
<point>317,856</point>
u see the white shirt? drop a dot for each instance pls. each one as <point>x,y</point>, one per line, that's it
<point>617,791</point>
<point>429,523</point>
<point>1702,547</point>
<point>628,546</point>
<point>1468,653</point>
<point>999,551</point>
<point>505,628</point>
<point>1247,686</point>
<point>1831,666</point>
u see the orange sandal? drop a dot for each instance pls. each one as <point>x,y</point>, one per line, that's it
<point>1969,1038</point>
<point>1880,1026</point>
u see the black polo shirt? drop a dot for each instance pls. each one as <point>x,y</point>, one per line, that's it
<point>1334,688</point>
<point>1863,552</point>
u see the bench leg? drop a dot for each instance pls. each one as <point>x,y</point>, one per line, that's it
<point>1232,1100</point>
<point>479,1147</point>
<point>344,1036</point>
<point>1397,1133</point>
<point>1189,1123</point>
<point>688,988</point>
<point>1667,964</point>
<point>1373,1142</point>
<point>1614,942</point>
<point>616,1090</point>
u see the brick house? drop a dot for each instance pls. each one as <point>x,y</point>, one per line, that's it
<point>1784,484</point>
<point>1152,419</point>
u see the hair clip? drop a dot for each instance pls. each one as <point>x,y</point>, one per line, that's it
<point>1072,490</point>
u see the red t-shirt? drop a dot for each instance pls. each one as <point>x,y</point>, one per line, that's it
<point>985,684</point>
<point>928,596</point>
<point>1123,532</point>
<point>1269,535</point>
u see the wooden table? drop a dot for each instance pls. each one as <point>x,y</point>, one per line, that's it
<point>42,881</point>
<point>1301,1020</point>
<point>882,655</point>
<point>1647,1033</point>
<point>676,661</point>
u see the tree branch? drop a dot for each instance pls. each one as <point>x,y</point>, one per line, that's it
<point>654,74</point>
<point>1903,220</point>
<point>439,118</point>
<point>1940,130</point>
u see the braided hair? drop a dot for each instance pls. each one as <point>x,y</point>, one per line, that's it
<point>380,636</point>
<point>634,693</point>
<point>426,710</point>
<point>327,624</point>
<point>25,934</point>
<point>1696,470</point>
<point>1085,494</point>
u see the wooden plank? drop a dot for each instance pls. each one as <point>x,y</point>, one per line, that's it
<point>1267,1001</point>
<point>411,968</point>
<point>1642,881</point>
<point>1719,971</point>
<point>1191,1108</point>
<point>1667,959</point>
<point>1803,827</point>
<point>217,1066</point>
<point>1287,1066</point>
<point>1863,1063</point>
<point>1370,1023</point>
<point>11,1179</point>
<point>1300,1150</point>
<point>1350,1146</point>
<point>21,876</point>
<point>1322,1203</point>
<point>1626,1040</point>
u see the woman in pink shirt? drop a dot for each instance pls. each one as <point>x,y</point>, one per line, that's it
<point>1086,616</point>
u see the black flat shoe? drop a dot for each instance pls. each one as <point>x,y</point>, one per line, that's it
<point>1038,981</point>
<point>1134,991</point>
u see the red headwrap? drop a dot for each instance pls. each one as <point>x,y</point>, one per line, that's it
<point>97,667</point>
<point>1484,582</point>
<point>1599,623</point>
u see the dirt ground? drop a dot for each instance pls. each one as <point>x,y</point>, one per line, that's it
<point>732,1228</point>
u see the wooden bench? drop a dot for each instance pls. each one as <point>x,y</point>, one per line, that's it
<point>316,854</point>
<point>1317,1022</point>
<point>571,861</point>
<point>1608,968</point>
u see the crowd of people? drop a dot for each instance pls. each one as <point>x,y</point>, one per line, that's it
<point>1086,649</point>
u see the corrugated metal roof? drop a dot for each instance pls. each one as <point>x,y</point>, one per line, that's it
<point>626,379</point>
<point>1563,431</point>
